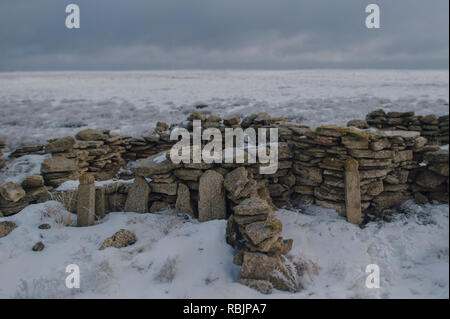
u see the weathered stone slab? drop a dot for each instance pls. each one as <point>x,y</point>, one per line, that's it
<point>86,201</point>
<point>100,203</point>
<point>154,165</point>
<point>275,270</point>
<point>352,192</point>
<point>137,199</point>
<point>33,181</point>
<point>253,206</point>
<point>90,135</point>
<point>211,203</point>
<point>64,144</point>
<point>57,164</point>
<point>184,203</point>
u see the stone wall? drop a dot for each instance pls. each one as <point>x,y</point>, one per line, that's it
<point>311,166</point>
<point>434,128</point>
<point>355,171</point>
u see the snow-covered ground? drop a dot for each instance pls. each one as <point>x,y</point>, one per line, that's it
<point>41,105</point>
<point>176,257</point>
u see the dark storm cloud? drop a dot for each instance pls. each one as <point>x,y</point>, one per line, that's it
<point>138,34</point>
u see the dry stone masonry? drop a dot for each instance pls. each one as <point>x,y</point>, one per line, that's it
<point>434,128</point>
<point>369,167</point>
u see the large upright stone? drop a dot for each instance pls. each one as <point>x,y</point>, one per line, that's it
<point>86,201</point>
<point>211,202</point>
<point>184,203</point>
<point>137,200</point>
<point>100,203</point>
<point>352,192</point>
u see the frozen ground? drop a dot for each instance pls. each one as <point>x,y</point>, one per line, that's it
<point>175,257</point>
<point>37,106</point>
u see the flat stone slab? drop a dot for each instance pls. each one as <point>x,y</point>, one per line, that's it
<point>154,165</point>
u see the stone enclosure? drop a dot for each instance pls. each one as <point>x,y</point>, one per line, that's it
<point>357,171</point>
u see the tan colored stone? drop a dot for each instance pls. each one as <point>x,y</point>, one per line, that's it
<point>33,181</point>
<point>258,232</point>
<point>59,145</point>
<point>120,239</point>
<point>211,203</point>
<point>57,164</point>
<point>90,135</point>
<point>12,192</point>
<point>352,192</point>
<point>6,228</point>
<point>272,269</point>
<point>154,165</point>
<point>253,206</point>
<point>86,201</point>
<point>184,203</point>
<point>138,195</point>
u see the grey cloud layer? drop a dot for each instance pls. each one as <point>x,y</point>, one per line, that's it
<point>136,34</point>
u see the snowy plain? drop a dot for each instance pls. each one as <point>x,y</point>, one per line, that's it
<point>37,106</point>
<point>175,257</point>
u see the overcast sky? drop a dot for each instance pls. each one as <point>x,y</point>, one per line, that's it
<point>223,34</point>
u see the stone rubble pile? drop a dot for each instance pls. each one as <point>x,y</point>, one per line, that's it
<point>93,151</point>
<point>255,232</point>
<point>434,128</point>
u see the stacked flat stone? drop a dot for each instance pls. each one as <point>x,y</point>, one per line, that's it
<point>2,146</point>
<point>163,183</point>
<point>443,130</point>
<point>394,120</point>
<point>384,161</point>
<point>430,126</point>
<point>311,165</point>
<point>93,151</point>
<point>149,145</point>
<point>101,152</point>
<point>255,232</point>
<point>14,197</point>
<point>59,169</point>
<point>28,150</point>
<point>280,184</point>
<point>431,182</point>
